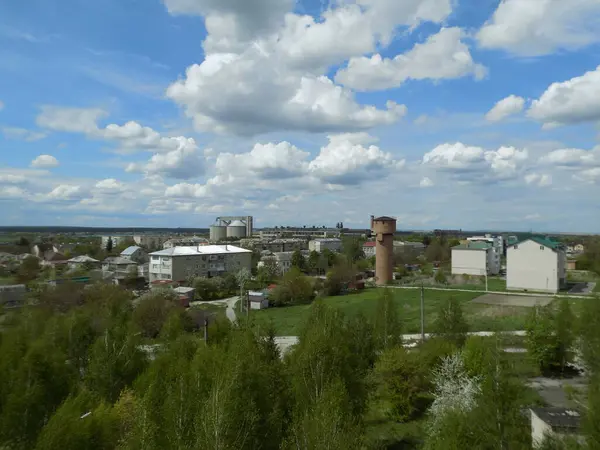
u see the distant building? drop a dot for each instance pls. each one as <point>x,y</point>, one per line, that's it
<point>572,264</point>
<point>553,422</point>
<point>306,233</point>
<point>116,240</point>
<point>186,294</point>
<point>474,258</point>
<point>81,261</point>
<point>331,244</point>
<point>369,249</point>
<point>135,253</point>
<point>179,263</point>
<point>497,246</point>
<point>43,248</point>
<point>149,241</point>
<point>119,265</point>
<point>536,264</point>
<point>185,241</point>
<point>274,245</point>
<point>283,260</point>
<point>258,300</point>
<point>404,246</point>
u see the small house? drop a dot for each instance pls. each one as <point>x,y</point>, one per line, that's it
<point>553,422</point>
<point>258,299</point>
<point>135,253</point>
<point>185,294</point>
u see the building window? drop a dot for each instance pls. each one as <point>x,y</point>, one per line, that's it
<point>155,258</point>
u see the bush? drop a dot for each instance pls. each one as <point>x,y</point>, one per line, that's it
<point>152,311</point>
<point>294,288</point>
<point>450,323</point>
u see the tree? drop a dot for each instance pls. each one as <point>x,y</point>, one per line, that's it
<point>589,335</point>
<point>339,277</point>
<point>29,269</point>
<point>314,259</point>
<point>298,260</point>
<point>205,288</point>
<point>267,273</point>
<point>109,245</point>
<point>294,288</point>
<point>387,328</point>
<point>152,311</point>
<point>329,257</point>
<point>352,249</point>
<point>450,323</point>
<point>440,277</point>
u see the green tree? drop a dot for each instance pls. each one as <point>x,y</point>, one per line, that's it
<point>314,258</point>
<point>294,288</point>
<point>206,288</point>
<point>440,277</point>
<point>339,277</point>
<point>267,273</point>
<point>329,258</point>
<point>352,249</point>
<point>152,311</point>
<point>28,270</point>
<point>109,245</point>
<point>298,260</point>
<point>589,334</point>
<point>387,327</point>
<point>450,322</point>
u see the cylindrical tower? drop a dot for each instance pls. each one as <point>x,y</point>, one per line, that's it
<point>384,228</point>
<point>236,229</point>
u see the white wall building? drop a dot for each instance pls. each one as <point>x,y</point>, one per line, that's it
<point>474,258</point>
<point>369,249</point>
<point>185,241</point>
<point>497,243</point>
<point>116,240</point>
<point>150,241</point>
<point>135,253</point>
<point>319,245</point>
<point>119,265</point>
<point>179,263</point>
<point>536,264</point>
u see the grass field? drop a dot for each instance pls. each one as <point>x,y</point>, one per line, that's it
<point>7,280</point>
<point>287,321</point>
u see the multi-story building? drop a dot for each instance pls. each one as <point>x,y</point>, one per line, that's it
<point>179,263</point>
<point>318,245</point>
<point>149,241</point>
<point>185,241</point>
<point>497,243</point>
<point>116,240</point>
<point>474,258</point>
<point>369,249</point>
<point>306,233</point>
<point>283,260</point>
<point>536,264</point>
<point>275,245</point>
<point>135,253</point>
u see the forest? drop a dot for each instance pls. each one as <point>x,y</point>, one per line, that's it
<point>105,371</point>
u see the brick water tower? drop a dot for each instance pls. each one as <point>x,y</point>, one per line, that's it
<point>384,228</point>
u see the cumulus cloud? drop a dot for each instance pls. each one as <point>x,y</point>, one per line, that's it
<point>441,56</point>
<point>132,135</point>
<point>183,163</point>
<point>12,179</point>
<point>426,182</point>
<point>572,157</point>
<point>23,134</point>
<point>505,107</point>
<point>12,192</point>
<point>568,102</point>
<point>109,184</point>
<point>475,163</point>
<point>540,27</point>
<point>70,120</point>
<point>44,162</point>
<point>538,179</point>
<point>65,192</point>
<point>591,176</point>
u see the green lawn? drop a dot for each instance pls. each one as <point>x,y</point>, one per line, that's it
<point>494,284</point>
<point>287,321</point>
<point>7,280</point>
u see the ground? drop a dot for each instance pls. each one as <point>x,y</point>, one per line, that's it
<point>512,300</point>
<point>481,317</point>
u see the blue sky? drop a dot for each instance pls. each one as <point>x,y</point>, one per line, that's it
<point>172,112</point>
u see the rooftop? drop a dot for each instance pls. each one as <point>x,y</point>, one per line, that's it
<point>369,244</point>
<point>384,218</point>
<point>558,417</point>
<point>542,240</point>
<point>118,260</point>
<point>130,250</point>
<point>82,259</point>
<point>473,245</point>
<point>201,250</point>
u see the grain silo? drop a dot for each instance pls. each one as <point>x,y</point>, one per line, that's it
<point>218,233</point>
<point>236,229</point>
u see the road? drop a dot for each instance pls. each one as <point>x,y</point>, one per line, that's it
<point>229,302</point>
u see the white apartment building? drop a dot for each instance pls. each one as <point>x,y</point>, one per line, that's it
<point>536,264</point>
<point>149,241</point>
<point>276,233</point>
<point>497,243</point>
<point>474,258</point>
<point>319,245</point>
<point>119,265</point>
<point>116,240</point>
<point>179,263</point>
<point>185,241</point>
<point>135,253</point>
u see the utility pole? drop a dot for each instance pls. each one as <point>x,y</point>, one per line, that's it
<point>422,313</point>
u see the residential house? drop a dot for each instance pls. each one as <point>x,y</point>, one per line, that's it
<point>185,241</point>
<point>497,246</point>
<point>474,258</point>
<point>369,249</point>
<point>52,258</point>
<point>120,266</point>
<point>258,299</point>
<point>40,249</point>
<point>82,261</point>
<point>331,244</point>
<point>553,423</point>
<point>283,260</point>
<point>179,263</point>
<point>536,264</point>
<point>135,253</point>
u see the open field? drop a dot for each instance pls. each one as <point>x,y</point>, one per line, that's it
<point>512,300</point>
<point>481,317</point>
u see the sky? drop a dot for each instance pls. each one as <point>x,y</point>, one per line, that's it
<point>169,113</point>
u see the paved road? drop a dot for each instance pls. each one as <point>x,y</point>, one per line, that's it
<point>229,302</point>
<point>525,294</point>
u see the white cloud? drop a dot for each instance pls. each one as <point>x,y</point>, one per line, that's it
<point>109,184</point>
<point>572,157</point>
<point>426,182</point>
<point>505,107</point>
<point>591,176</point>
<point>571,101</point>
<point>441,56</point>
<point>183,163</point>
<point>1,105</point>
<point>421,120</point>
<point>65,192</point>
<point>539,27</point>
<point>44,162</point>
<point>12,179</point>
<point>12,192</point>
<point>476,163</point>
<point>70,120</point>
<point>22,133</point>
<point>538,179</point>
<point>132,135</point>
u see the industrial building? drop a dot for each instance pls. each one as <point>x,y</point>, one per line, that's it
<point>231,227</point>
<point>295,232</point>
<point>319,245</point>
<point>179,263</point>
<point>185,241</point>
<point>274,245</point>
<point>384,228</point>
<point>536,264</point>
<point>474,258</point>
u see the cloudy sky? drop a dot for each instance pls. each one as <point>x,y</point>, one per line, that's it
<point>172,112</point>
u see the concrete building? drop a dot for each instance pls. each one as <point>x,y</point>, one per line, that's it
<point>149,241</point>
<point>185,241</point>
<point>135,253</point>
<point>274,245</point>
<point>497,243</point>
<point>116,240</point>
<point>384,228</point>
<point>536,264</point>
<point>179,263</point>
<point>305,233</point>
<point>318,245</point>
<point>283,260</point>
<point>369,248</point>
<point>474,258</point>
<point>409,246</point>
<point>119,265</point>
<point>553,422</point>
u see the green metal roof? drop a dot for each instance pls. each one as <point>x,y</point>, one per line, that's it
<point>545,241</point>
<point>475,245</point>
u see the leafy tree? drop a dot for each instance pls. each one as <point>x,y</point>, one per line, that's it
<point>206,288</point>
<point>267,273</point>
<point>294,288</point>
<point>314,258</point>
<point>450,322</point>
<point>589,331</point>
<point>440,277</point>
<point>352,249</point>
<point>434,350</point>
<point>152,311</point>
<point>565,332</point>
<point>387,327</point>
<point>401,383</point>
<point>29,269</point>
<point>329,258</point>
<point>298,260</point>
<point>109,245</point>
<point>478,354</point>
<point>339,277</point>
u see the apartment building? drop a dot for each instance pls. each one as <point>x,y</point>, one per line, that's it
<point>474,258</point>
<point>306,233</point>
<point>497,243</point>
<point>318,245</point>
<point>185,241</point>
<point>149,241</point>
<point>536,264</point>
<point>179,263</point>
